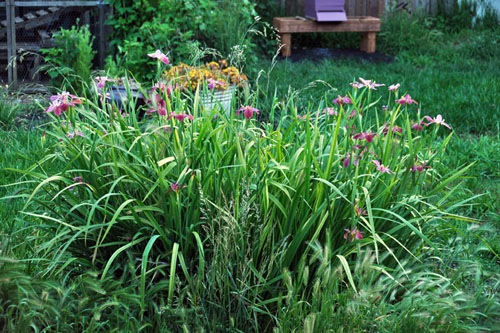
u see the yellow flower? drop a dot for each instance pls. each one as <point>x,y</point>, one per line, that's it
<point>217,75</point>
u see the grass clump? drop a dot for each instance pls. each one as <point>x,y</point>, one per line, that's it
<point>340,205</point>
<point>220,221</point>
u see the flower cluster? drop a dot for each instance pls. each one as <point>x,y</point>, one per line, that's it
<point>217,76</point>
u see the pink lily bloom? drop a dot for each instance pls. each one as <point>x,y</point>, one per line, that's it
<point>353,234</point>
<point>342,100</point>
<point>61,102</point>
<point>406,99</point>
<point>180,116</point>
<point>381,168</point>
<point>370,84</point>
<point>175,187</point>
<point>160,56</point>
<point>438,121</point>
<point>101,81</point>
<point>71,135</point>
<point>213,84</point>
<point>368,136</point>
<point>359,211</point>
<point>419,168</point>
<point>394,87</point>
<point>393,129</point>
<point>247,111</point>
<point>417,126</point>
<point>330,111</point>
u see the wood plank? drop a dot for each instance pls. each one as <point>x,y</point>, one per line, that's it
<point>55,3</point>
<point>368,26</point>
<point>21,46</point>
<point>44,19</point>
<point>353,24</point>
<point>30,16</point>
<point>41,12</point>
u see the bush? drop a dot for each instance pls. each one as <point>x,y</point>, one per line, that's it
<point>69,62</point>
<point>219,221</point>
<point>178,28</point>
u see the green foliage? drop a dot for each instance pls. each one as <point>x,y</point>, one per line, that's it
<point>176,27</point>
<point>69,62</point>
<point>9,109</point>
<point>225,223</point>
<point>466,14</point>
<point>214,215</point>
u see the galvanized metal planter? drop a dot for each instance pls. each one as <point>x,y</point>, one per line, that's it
<point>219,98</point>
<point>326,10</point>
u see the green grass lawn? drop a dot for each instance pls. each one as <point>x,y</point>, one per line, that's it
<point>452,287</point>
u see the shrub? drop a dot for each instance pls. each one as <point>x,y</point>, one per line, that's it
<point>178,28</point>
<point>69,62</point>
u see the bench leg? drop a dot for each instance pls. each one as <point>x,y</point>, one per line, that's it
<point>368,42</point>
<point>286,45</point>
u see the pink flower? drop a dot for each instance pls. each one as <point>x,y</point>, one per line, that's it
<point>381,168</point>
<point>394,129</point>
<point>175,187</point>
<point>159,105</point>
<point>163,88</point>
<point>71,135</point>
<point>57,107</point>
<point>419,167</point>
<point>61,102</point>
<point>353,234</point>
<point>394,87</point>
<point>406,99</point>
<point>213,84</point>
<point>180,116</point>
<point>342,100</point>
<point>247,111</point>
<point>356,85</point>
<point>417,126</point>
<point>368,136</point>
<point>366,83</point>
<point>330,111</point>
<point>101,81</point>
<point>160,56</point>
<point>359,211</point>
<point>438,121</point>
<point>346,161</point>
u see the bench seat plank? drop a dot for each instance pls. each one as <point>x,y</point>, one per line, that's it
<point>366,25</point>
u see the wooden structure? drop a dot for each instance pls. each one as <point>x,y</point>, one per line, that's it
<point>366,25</point>
<point>39,15</point>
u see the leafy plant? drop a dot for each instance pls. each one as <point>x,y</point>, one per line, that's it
<point>178,27</point>
<point>9,109</point>
<point>207,211</point>
<point>69,62</point>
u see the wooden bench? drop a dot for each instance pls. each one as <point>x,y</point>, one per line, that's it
<point>366,25</point>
